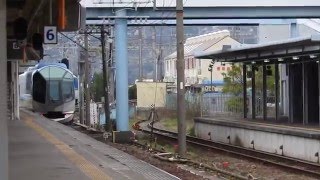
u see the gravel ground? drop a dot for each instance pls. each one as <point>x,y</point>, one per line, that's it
<point>230,163</point>
<point>240,165</point>
<point>144,155</point>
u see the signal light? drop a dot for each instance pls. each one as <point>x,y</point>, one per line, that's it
<point>20,28</point>
<point>37,41</point>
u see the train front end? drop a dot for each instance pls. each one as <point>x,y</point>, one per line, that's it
<point>53,93</point>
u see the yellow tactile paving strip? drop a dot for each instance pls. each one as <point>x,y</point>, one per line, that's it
<point>85,166</point>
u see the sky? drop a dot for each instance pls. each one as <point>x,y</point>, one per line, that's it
<point>200,3</point>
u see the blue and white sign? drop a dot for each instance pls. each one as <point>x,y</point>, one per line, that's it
<point>50,35</point>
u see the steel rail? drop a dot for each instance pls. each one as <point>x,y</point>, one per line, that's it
<point>309,168</point>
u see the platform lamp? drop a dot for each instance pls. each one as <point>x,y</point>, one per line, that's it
<point>210,69</point>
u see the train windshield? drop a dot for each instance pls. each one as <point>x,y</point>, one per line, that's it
<point>59,83</point>
<point>54,91</point>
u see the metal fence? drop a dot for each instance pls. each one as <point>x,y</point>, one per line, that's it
<point>209,104</point>
<point>271,100</point>
<point>215,104</point>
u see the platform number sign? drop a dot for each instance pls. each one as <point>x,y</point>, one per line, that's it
<point>50,35</point>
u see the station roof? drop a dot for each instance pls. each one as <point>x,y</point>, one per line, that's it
<point>283,51</point>
<point>201,43</point>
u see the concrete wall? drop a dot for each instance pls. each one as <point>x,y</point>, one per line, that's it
<point>293,146</point>
<point>3,94</point>
<point>151,93</point>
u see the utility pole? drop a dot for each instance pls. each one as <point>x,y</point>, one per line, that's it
<point>154,50</point>
<point>160,65</point>
<point>105,80</point>
<point>87,79</point>
<point>180,80</point>
<point>140,55</point>
<point>210,70</point>
<point>111,69</point>
<point>81,88</point>
<point>160,60</point>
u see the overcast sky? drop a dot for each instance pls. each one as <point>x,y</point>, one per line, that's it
<point>199,3</point>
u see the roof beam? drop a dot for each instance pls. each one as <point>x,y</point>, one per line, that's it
<point>278,12</point>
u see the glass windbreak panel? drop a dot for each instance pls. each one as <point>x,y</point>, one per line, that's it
<point>54,91</point>
<point>39,88</point>
<point>67,90</point>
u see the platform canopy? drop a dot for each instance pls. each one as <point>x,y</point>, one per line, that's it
<point>284,51</point>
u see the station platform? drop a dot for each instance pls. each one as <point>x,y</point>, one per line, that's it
<point>43,149</point>
<point>267,126</point>
<point>284,139</point>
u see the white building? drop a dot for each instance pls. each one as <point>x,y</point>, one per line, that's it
<point>196,70</point>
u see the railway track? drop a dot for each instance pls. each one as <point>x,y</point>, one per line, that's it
<point>292,164</point>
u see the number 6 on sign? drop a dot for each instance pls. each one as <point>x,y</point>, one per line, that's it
<point>50,35</point>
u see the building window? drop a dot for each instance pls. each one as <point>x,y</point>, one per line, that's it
<point>218,68</point>
<point>223,68</point>
<point>228,68</point>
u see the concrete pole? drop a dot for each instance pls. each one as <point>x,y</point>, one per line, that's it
<point>211,85</point>
<point>140,55</point>
<point>154,50</point>
<point>87,79</point>
<point>81,94</point>
<point>121,71</point>
<point>319,88</point>
<point>244,77</point>
<point>105,80</point>
<point>276,76</point>
<point>111,70</point>
<point>264,91</point>
<point>4,171</point>
<point>81,90</point>
<point>294,32</point>
<point>180,80</point>
<point>253,89</point>
<point>290,89</point>
<point>15,76</point>
<point>305,93</point>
